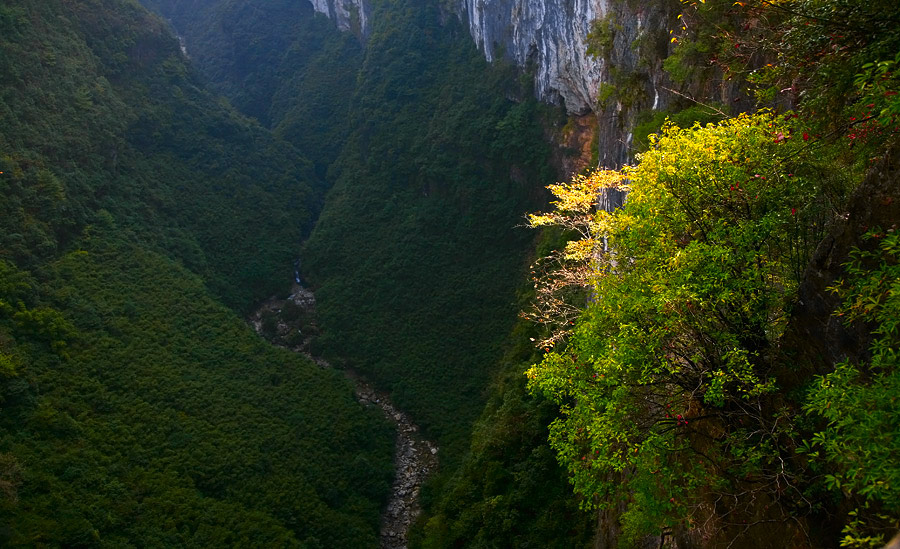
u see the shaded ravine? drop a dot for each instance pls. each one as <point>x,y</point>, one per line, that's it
<point>290,323</point>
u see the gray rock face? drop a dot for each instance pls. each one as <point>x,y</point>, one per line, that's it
<point>348,15</point>
<point>550,39</point>
<point>548,36</point>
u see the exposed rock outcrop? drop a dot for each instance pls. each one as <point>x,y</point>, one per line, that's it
<point>414,459</point>
<point>550,38</point>
<point>547,36</point>
<point>348,15</point>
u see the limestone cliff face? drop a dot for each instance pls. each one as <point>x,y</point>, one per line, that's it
<point>547,36</point>
<point>623,77</point>
<point>348,15</point>
<point>550,39</point>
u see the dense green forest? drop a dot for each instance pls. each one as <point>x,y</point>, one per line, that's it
<point>448,166</point>
<point>138,408</point>
<point>419,233</point>
<point>111,106</point>
<point>277,62</point>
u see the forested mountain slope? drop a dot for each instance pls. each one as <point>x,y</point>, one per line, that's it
<point>414,234</point>
<point>117,112</point>
<point>137,409</point>
<point>276,62</point>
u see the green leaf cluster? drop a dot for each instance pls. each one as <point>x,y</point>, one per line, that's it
<point>832,59</point>
<point>858,401</point>
<point>664,378</point>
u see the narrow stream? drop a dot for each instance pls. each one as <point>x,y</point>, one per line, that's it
<point>414,457</point>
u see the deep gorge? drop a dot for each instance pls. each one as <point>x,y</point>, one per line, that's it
<point>163,164</point>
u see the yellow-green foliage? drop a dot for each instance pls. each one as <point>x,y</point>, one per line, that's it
<point>662,375</point>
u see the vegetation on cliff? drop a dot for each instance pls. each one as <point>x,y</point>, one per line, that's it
<point>683,411</point>
<point>429,191</point>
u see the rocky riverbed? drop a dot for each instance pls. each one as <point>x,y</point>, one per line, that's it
<point>290,323</point>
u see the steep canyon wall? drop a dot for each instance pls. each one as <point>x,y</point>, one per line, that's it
<point>348,15</point>
<point>621,76</point>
